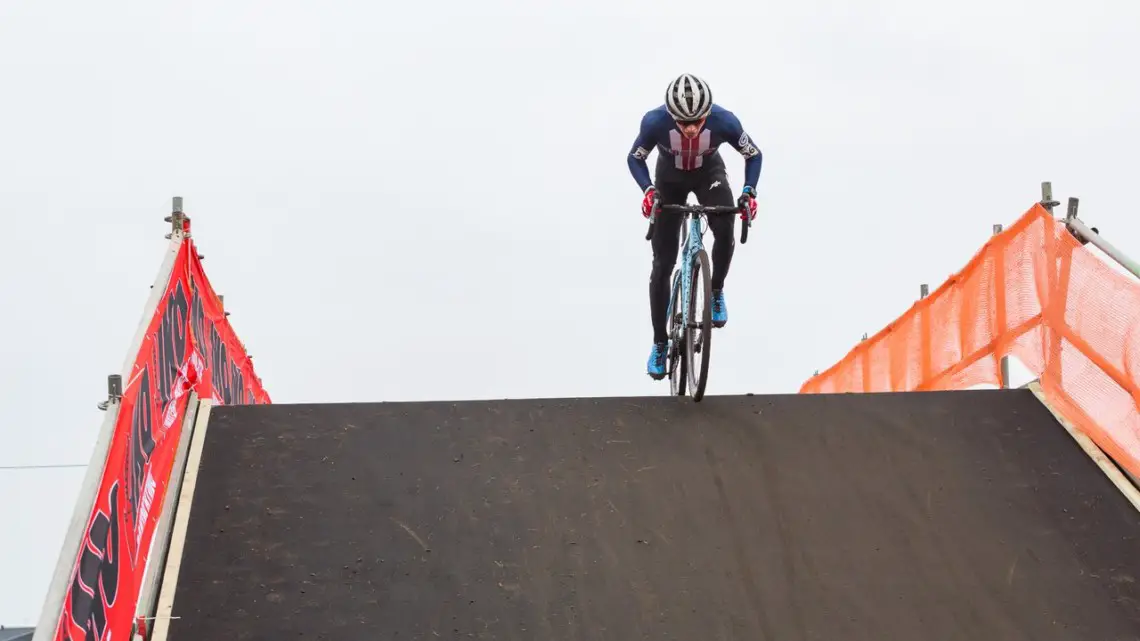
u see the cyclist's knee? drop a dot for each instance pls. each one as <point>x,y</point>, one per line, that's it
<point>663,263</point>
<point>662,266</point>
<point>722,226</point>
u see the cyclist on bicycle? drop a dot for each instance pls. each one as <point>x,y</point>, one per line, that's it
<point>687,132</point>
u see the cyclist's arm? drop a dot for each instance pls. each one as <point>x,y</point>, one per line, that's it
<point>753,159</point>
<point>639,151</point>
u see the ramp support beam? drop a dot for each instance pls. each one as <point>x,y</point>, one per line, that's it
<point>160,546</point>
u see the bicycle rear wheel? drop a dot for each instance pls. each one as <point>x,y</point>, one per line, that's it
<point>698,336</point>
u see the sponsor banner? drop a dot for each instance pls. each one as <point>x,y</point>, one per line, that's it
<point>229,377</point>
<point>188,345</point>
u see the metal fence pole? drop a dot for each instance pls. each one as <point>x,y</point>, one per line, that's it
<point>1004,359</point>
<point>1047,197</point>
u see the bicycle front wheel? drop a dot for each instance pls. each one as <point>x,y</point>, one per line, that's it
<point>678,335</point>
<point>698,337</point>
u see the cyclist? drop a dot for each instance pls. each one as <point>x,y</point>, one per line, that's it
<point>687,131</point>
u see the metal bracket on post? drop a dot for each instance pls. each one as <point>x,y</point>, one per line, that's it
<point>222,301</point>
<point>1078,229</point>
<point>1085,235</point>
<point>1047,197</point>
<point>178,219</point>
<point>114,391</point>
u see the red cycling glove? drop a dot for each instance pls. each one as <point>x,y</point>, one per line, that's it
<point>647,202</point>
<point>747,201</point>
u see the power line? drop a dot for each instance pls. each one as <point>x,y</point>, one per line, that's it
<point>41,467</point>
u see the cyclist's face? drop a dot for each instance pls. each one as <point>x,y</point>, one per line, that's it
<point>690,128</point>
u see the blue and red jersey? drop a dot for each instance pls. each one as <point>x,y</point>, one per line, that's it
<point>658,129</point>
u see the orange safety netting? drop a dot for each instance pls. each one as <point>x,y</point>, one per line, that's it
<point>1032,292</point>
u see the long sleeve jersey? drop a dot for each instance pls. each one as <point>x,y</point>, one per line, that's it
<point>659,130</point>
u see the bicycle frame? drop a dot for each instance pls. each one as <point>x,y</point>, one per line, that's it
<point>691,243</point>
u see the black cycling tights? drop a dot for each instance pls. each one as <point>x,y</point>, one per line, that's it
<point>711,188</point>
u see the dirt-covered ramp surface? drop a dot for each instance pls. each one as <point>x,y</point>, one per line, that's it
<point>893,517</point>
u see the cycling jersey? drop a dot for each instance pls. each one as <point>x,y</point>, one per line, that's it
<point>659,129</point>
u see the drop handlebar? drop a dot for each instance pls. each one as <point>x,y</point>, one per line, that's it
<point>701,209</point>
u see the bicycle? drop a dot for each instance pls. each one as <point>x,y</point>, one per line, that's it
<point>682,326</point>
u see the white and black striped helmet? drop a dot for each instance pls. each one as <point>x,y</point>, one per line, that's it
<point>688,98</point>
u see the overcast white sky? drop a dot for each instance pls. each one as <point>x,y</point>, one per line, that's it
<point>431,201</point>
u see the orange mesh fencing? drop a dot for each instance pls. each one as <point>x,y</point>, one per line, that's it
<point>1032,292</point>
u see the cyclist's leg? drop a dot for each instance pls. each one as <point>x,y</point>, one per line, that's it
<point>713,189</point>
<point>665,246</point>
<point>665,241</point>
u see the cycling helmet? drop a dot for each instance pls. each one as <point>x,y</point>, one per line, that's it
<point>688,98</point>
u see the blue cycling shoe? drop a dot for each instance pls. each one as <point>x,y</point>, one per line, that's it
<point>656,365</point>
<point>719,311</point>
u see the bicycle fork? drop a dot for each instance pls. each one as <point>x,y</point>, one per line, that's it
<point>684,276</point>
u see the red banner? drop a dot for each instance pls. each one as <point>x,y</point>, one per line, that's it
<point>228,377</point>
<point>189,345</point>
